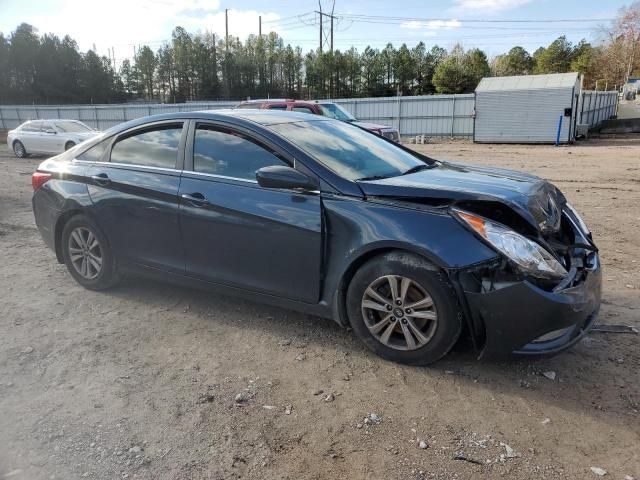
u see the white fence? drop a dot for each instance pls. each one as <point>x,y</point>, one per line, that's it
<point>439,115</point>
<point>597,106</point>
<point>429,115</point>
<point>100,117</point>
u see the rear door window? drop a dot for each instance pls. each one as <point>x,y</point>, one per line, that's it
<point>229,153</point>
<point>151,147</point>
<point>31,127</point>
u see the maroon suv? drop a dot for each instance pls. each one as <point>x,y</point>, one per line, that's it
<point>327,109</point>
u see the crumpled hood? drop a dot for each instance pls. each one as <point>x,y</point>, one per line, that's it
<point>536,200</point>
<point>371,126</point>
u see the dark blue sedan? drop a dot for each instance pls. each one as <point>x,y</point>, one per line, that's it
<point>323,217</point>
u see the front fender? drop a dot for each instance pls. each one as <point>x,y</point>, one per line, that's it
<point>358,229</point>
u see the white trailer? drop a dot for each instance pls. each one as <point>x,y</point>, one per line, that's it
<point>527,108</point>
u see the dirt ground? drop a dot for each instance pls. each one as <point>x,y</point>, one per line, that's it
<point>141,381</point>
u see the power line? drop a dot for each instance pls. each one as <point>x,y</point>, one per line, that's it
<point>290,22</point>
<point>390,19</point>
<point>289,18</point>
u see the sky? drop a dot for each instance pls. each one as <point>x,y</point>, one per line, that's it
<point>492,25</point>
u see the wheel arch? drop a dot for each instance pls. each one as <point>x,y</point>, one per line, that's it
<point>60,223</point>
<point>362,258</point>
<point>340,302</point>
<point>62,220</point>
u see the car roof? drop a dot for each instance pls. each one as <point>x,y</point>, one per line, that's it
<point>260,117</point>
<point>266,101</point>
<point>52,120</point>
<point>267,117</point>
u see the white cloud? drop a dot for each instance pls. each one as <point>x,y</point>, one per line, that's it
<point>488,5</point>
<point>242,23</point>
<point>431,27</point>
<point>123,24</point>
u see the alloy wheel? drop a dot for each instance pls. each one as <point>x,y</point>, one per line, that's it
<point>85,253</point>
<point>399,312</point>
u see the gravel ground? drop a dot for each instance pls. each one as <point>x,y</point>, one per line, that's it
<point>155,381</point>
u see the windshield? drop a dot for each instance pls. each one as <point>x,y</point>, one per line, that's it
<point>72,127</point>
<point>333,110</point>
<point>349,151</point>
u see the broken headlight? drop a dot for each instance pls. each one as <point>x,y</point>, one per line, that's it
<point>530,257</point>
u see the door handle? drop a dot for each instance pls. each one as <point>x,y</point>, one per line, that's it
<point>195,199</point>
<point>101,179</point>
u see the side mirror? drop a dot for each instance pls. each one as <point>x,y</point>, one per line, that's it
<point>279,176</point>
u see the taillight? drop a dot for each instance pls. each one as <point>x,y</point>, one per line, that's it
<point>38,179</point>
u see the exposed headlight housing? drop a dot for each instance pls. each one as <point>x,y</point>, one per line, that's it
<point>530,257</point>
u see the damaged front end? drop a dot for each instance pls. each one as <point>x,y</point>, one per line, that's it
<point>513,310</point>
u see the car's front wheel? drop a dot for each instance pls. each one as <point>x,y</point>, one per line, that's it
<point>87,254</point>
<point>19,150</point>
<point>404,309</point>
<point>69,145</point>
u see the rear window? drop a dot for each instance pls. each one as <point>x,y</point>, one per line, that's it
<point>95,153</point>
<point>301,109</point>
<point>252,106</point>
<point>153,147</point>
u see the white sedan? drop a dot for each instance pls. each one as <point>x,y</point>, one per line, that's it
<point>48,136</point>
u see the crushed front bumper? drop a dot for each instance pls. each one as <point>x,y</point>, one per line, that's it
<point>524,319</point>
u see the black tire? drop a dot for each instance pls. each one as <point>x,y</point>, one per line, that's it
<point>107,275</point>
<point>19,150</point>
<point>69,145</point>
<point>447,326</point>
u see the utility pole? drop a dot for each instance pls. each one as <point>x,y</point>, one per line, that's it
<point>326,40</point>
<point>332,17</point>
<point>333,6</point>
<point>259,26</point>
<point>321,18</point>
<point>226,53</point>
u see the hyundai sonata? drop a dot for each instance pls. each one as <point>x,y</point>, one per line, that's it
<point>323,217</point>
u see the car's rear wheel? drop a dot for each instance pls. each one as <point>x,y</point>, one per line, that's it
<point>19,150</point>
<point>69,145</point>
<point>403,308</point>
<point>87,254</point>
